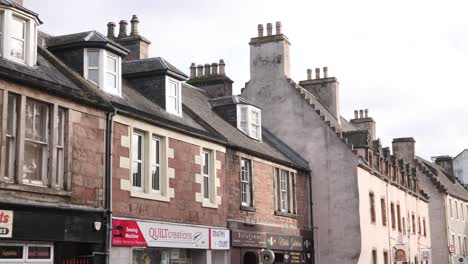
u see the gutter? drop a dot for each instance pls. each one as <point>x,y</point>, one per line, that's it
<point>108,184</point>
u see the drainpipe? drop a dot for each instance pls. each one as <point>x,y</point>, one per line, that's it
<point>312,219</point>
<point>108,184</point>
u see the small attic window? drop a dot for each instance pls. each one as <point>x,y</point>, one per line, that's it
<point>103,68</point>
<point>249,121</point>
<point>173,96</point>
<point>18,35</point>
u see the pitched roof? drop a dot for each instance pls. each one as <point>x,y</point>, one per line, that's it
<point>465,150</point>
<point>13,4</point>
<point>85,38</point>
<point>270,148</point>
<point>449,182</point>
<point>229,100</point>
<point>150,65</point>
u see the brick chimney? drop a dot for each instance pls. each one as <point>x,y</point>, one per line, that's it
<point>363,121</point>
<point>325,88</point>
<point>137,44</point>
<point>211,78</point>
<point>269,55</point>
<point>445,162</point>
<point>404,148</point>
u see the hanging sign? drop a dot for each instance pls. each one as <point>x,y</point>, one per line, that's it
<point>6,223</point>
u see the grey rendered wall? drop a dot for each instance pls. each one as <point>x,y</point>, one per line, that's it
<point>333,165</point>
<point>437,219</point>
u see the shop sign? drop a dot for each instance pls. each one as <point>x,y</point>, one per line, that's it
<point>155,234</point>
<point>425,255</point>
<point>248,239</point>
<point>219,239</point>
<point>6,223</point>
<point>400,253</point>
<point>295,257</point>
<point>283,242</point>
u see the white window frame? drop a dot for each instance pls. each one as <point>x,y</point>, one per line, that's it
<point>178,97</point>
<point>248,123</point>
<point>156,164</point>
<point>30,36</point>
<point>24,22</point>
<point>45,146</point>
<point>140,161</point>
<point>207,176</point>
<point>26,248</point>
<point>246,181</point>
<point>284,191</point>
<point>102,70</point>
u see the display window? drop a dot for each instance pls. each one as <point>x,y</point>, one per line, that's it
<point>26,253</point>
<point>161,256</point>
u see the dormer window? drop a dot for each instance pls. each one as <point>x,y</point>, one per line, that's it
<point>103,68</point>
<point>173,96</point>
<point>250,120</point>
<point>18,33</point>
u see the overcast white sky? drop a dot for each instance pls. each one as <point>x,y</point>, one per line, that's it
<point>407,61</point>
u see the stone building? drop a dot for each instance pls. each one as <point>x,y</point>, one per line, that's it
<point>345,160</point>
<point>52,151</point>
<point>448,207</point>
<point>190,166</point>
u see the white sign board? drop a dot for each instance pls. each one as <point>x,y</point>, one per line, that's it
<point>219,239</point>
<point>174,236</point>
<point>6,223</point>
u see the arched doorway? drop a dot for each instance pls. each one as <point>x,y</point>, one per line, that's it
<point>250,258</point>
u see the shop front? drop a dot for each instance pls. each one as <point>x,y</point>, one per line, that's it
<point>247,247</point>
<point>50,235</point>
<point>150,242</point>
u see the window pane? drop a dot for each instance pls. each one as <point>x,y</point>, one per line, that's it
<point>172,89</point>
<point>171,104</point>
<point>39,252</point>
<point>11,252</point>
<point>34,154</point>
<point>17,28</point>
<point>111,64</point>
<point>60,168</point>
<point>136,168</point>
<point>93,58</point>
<point>111,80</point>
<point>156,178</point>
<point>206,163</point>
<point>60,124</point>
<point>93,75</point>
<point>12,113</point>
<point>206,187</point>
<point>40,122</point>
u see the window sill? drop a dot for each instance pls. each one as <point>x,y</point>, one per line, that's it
<point>150,196</point>
<point>33,189</point>
<point>290,215</point>
<point>247,208</point>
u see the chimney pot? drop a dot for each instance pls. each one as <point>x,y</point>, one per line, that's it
<point>325,72</point>
<point>317,73</point>
<point>134,24</point>
<point>309,74</point>
<point>207,69</point>
<point>193,70</point>
<point>269,29</point>
<point>278,27</point>
<point>123,28</point>
<point>356,114</point>
<point>221,67</point>
<point>260,30</point>
<point>111,30</point>
<point>361,114</point>
<point>214,68</point>
<point>366,113</point>
<point>199,70</point>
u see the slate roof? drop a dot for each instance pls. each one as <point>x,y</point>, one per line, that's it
<point>13,4</point>
<point>229,100</point>
<point>85,37</point>
<point>150,65</point>
<point>198,103</point>
<point>450,182</point>
<point>51,76</point>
